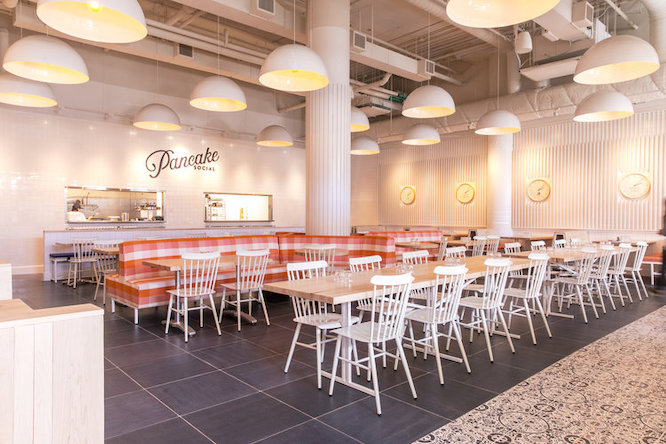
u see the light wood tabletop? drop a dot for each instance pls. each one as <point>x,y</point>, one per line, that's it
<point>418,245</point>
<point>301,252</point>
<point>559,254</point>
<point>108,251</point>
<point>176,264</point>
<point>327,289</point>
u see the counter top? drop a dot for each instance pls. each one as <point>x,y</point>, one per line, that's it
<point>15,311</point>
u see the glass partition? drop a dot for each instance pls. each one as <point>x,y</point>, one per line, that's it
<point>226,207</point>
<point>92,204</point>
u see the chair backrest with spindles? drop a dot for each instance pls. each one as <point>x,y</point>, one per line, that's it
<point>586,264</point>
<point>365,263</point>
<point>537,273</point>
<point>442,248</point>
<point>107,263</point>
<point>559,243</point>
<point>538,245</point>
<point>415,257</point>
<point>306,270</point>
<point>456,252</point>
<point>83,250</point>
<point>199,273</point>
<point>639,255</point>
<point>320,253</point>
<point>252,268</point>
<point>497,271</point>
<point>492,244</point>
<point>389,301</point>
<point>605,257</point>
<point>478,245</point>
<point>512,247</point>
<point>620,259</point>
<point>450,281</point>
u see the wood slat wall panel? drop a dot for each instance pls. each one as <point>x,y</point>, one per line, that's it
<point>434,171</point>
<point>585,163</point>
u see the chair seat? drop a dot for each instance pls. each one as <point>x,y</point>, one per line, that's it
<point>361,332</point>
<point>425,315</point>
<point>474,302</point>
<point>325,321</point>
<point>515,293</point>
<point>188,293</point>
<point>83,260</point>
<point>233,286</point>
<point>475,287</point>
<point>566,280</point>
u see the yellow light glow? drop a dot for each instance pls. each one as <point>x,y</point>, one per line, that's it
<point>364,152</point>
<point>44,72</point>
<point>274,143</point>
<point>157,126</point>
<point>94,6</point>
<point>420,141</point>
<point>497,130</point>
<point>293,80</point>
<point>603,116</point>
<point>218,104</point>
<point>28,100</point>
<point>426,112</point>
<point>358,128</point>
<point>615,73</point>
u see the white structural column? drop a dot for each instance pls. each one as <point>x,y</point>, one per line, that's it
<point>327,121</point>
<point>498,212</point>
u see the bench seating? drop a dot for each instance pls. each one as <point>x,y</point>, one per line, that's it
<point>356,246</point>
<point>654,260</point>
<point>406,236</point>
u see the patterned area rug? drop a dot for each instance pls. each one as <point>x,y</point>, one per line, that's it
<point>611,391</point>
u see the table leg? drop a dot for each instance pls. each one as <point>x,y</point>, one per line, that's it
<point>346,344</point>
<point>233,313</point>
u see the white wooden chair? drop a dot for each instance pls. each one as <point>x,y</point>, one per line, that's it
<point>580,282</point>
<point>197,281</point>
<point>515,275</point>
<point>538,245</point>
<point>442,248</point>
<point>534,282</point>
<point>492,244</point>
<point>478,245</point>
<point>456,252</point>
<point>442,310</point>
<point>599,275</point>
<point>634,270</point>
<point>559,243</point>
<point>320,253</point>
<point>365,263</point>
<point>312,313</point>
<point>415,257</point>
<point>390,296</point>
<point>83,254</point>
<point>107,264</point>
<point>487,305</point>
<point>250,279</point>
<point>616,272</point>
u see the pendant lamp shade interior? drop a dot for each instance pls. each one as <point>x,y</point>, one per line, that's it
<point>293,68</point>
<point>157,117</point>
<point>274,135</point>
<point>496,13</point>
<point>45,59</point>
<point>109,21</point>
<point>523,43</point>
<point>359,121</point>
<point>603,106</point>
<point>364,146</point>
<point>428,101</point>
<point>498,122</point>
<point>218,94</point>
<point>22,92</point>
<point>421,135</point>
<point>616,59</point>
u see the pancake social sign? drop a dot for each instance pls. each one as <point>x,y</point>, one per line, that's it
<point>160,160</point>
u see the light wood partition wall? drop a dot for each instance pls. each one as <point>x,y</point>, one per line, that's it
<point>51,374</point>
<point>5,280</point>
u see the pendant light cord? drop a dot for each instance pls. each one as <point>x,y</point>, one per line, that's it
<point>498,69</point>
<point>428,51</point>
<point>218,45</point>
<point>294,25</point>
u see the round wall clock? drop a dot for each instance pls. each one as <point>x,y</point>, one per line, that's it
<point>407,195</point>
<point>465,193</point>
<point>538,190</point>
<point>634,185</point>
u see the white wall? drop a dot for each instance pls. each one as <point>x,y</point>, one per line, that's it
<point>41,153</point>
<point>364,190</point>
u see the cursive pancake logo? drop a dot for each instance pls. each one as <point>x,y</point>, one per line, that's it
<point>160,160</point>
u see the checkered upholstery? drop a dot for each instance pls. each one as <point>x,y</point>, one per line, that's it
<point>357,246</point>
<point>140,286</point>
<point>406,236</point>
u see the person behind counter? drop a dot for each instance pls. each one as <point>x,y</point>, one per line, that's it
<point>76,215</point>
<point>76,206</point>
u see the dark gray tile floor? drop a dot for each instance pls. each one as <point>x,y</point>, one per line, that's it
<point>232,388</point>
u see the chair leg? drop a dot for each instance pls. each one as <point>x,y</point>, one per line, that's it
<point>594,307</point>
<point>401,352</point>
<point>212,307</point>
<point>580,301</point>
<point>263,305</point>
<point>635,276</point>
<point>411,338</point>
<point>626,287</point>
<point>238,308</point>
<point>506,329</point>
<point>136,315</point>
<point>201,307</point>
<point>610,296</point>
<point>323,346</point>
<point>463,353</point>
<point>186,316</point>
<point>642,285</point>
<point>335,365</point>
<point>529,320</point>
<point>168,320</point>
<point>318,339</point>
<point>355,355</point>
<point>113,305</point>
<point>97,288</point>
<point>435,345</point>
<point>293,346</point>
<point>543,317</point>
<point>485,333</point>
<point>373,369</point>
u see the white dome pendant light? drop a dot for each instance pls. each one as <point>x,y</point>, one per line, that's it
<point>523,43</point>
<point>359,121</point>
<point>364,146</point>
<point>45,59</point>
<point>603,106</point>
<point>293,68</point>
<point>616,59</point>
<point>496,13</point>
<point>497,122</point>
<point>109,21</point>
<point>428,101</point>
<point>22,92</point>
<point>218,94</point>
<point>157,117</point>
<point>421,135</point>
<point>274,135</point>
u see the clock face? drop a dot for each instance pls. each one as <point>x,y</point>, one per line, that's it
<point>465,193</point>
<point>634,185</point>
<point>538,190</point>
<point>407,195</point>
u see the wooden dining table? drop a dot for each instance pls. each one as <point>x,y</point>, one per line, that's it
<point>330,290</point>
<point>418,245</point>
